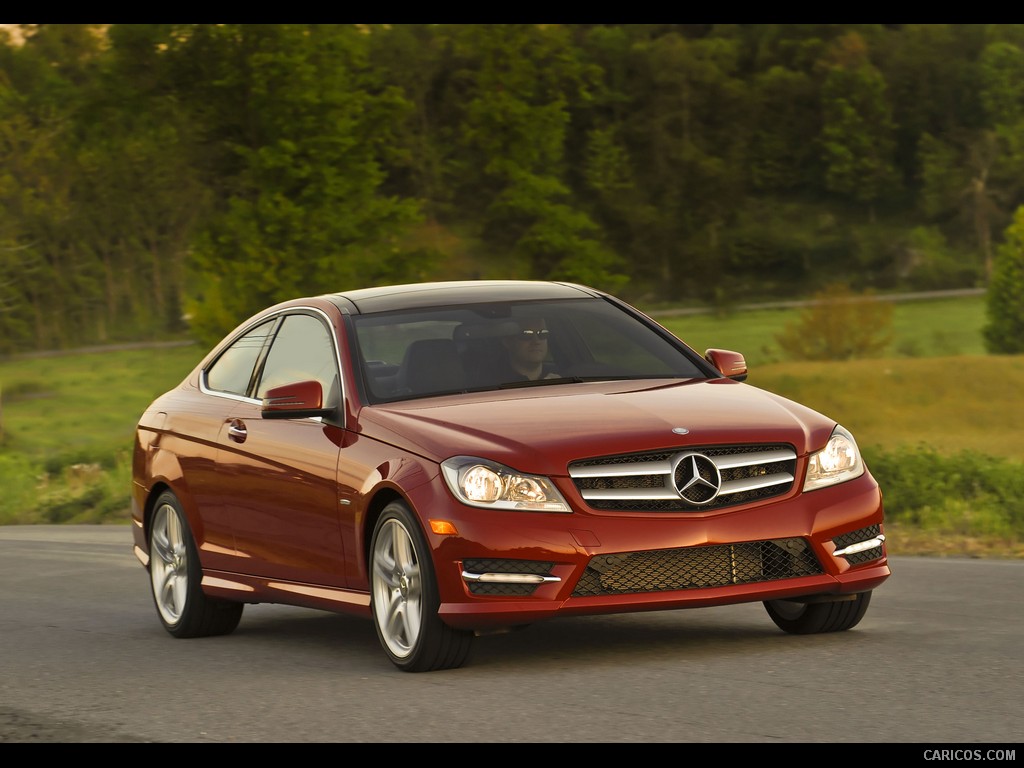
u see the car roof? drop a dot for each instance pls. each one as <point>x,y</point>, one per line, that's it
<point>432,294</point>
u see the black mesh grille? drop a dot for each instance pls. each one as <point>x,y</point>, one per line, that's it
<point>630,458</point>
<point>697,567</point>
<point>495,565</point>
<point>862,535</point>
<point>504,566</point>
<point>501,590</point>
<point>644,481</point>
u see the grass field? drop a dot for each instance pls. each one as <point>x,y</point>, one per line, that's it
<point>948,404</point>
<point>66,421</point>
<point>935,386</point>
<point>930,328</point>
<point>78,403</point>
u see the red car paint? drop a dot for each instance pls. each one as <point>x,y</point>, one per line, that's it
<point>281,505</point>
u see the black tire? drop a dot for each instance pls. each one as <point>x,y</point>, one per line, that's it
<point>813,618</point>
<point>404,599</point>
<point>175,577</point>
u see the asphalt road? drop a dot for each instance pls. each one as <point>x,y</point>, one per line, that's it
<point>938,660</point>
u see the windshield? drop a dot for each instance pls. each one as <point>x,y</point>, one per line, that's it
<point>445,350</point>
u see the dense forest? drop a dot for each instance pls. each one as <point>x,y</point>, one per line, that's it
<point>166,179</point>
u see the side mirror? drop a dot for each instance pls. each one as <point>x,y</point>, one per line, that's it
<point>301,400</point>
<point>731,364</point>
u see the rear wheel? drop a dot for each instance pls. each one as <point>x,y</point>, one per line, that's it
<point>175,576</point>
<point>812,618</point>
<point>404,597</point>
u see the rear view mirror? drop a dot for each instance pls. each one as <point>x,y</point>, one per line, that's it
<point>731,364</point>
<point>300,400</point>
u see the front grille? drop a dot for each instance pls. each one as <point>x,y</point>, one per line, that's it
<point>689,479</point>
<point>495,565</point>
<point>856,536</point>
<point>717,565</point>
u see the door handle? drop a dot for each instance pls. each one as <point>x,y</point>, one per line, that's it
<point>237,431</point>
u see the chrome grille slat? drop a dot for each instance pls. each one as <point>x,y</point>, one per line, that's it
<point>630,493</point>
<point>750,484</point>
<point>618,470</point>
<point>649,481</point>
<point>746,459</point>
<point>731,486</point>
<point>871,532</point>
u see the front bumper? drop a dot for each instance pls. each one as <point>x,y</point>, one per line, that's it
<point>510,568</point>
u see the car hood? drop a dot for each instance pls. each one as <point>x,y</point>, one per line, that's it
<point>542,429</point>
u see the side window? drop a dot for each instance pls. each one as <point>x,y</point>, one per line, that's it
<point>302,351</point>
<point>232,371</point>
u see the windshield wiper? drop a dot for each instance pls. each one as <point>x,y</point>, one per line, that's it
<point>542,382</point>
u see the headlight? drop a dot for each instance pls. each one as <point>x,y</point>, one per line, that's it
<point>837,462</point>
<point>482,483</point>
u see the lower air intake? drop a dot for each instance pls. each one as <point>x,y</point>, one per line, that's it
<point>697,567</point>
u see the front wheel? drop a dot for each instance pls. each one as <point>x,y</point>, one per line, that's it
<point>404,597</point>
<point>812,618</point>
<point>175,576</point>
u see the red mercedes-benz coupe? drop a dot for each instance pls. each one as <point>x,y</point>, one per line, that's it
<point>451,459</point>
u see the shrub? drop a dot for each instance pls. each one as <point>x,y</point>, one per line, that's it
<point>928,263</point>
<point>839,325</point>
<point>1004,331</point>
<point>922,487</point>
<point>19,479</point>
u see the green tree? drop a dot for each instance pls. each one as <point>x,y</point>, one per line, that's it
<point>931,79</point>
<point>137,184</point>
<point>602,163</point>
<point>957,181</point>
<point>415,59</point>
<point>19,260</point>
<point>787,120</point>
<point>857,132</point>
<point>300,209</point>
<point>1004,328</point>
<point>46,262</point>
<point>1002,95</point>
<point>520,81</point>
<point>685,134</point>
<point>149,167</point>
<point>931,264</point>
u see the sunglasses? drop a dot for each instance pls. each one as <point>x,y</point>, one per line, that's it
<point>529,333</point>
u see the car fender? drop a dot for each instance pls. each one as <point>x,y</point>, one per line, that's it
<point>395,478</point>
<point>163,468</point>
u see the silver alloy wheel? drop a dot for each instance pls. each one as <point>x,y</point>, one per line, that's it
<point>397,589</point>
<point>168,564</point>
